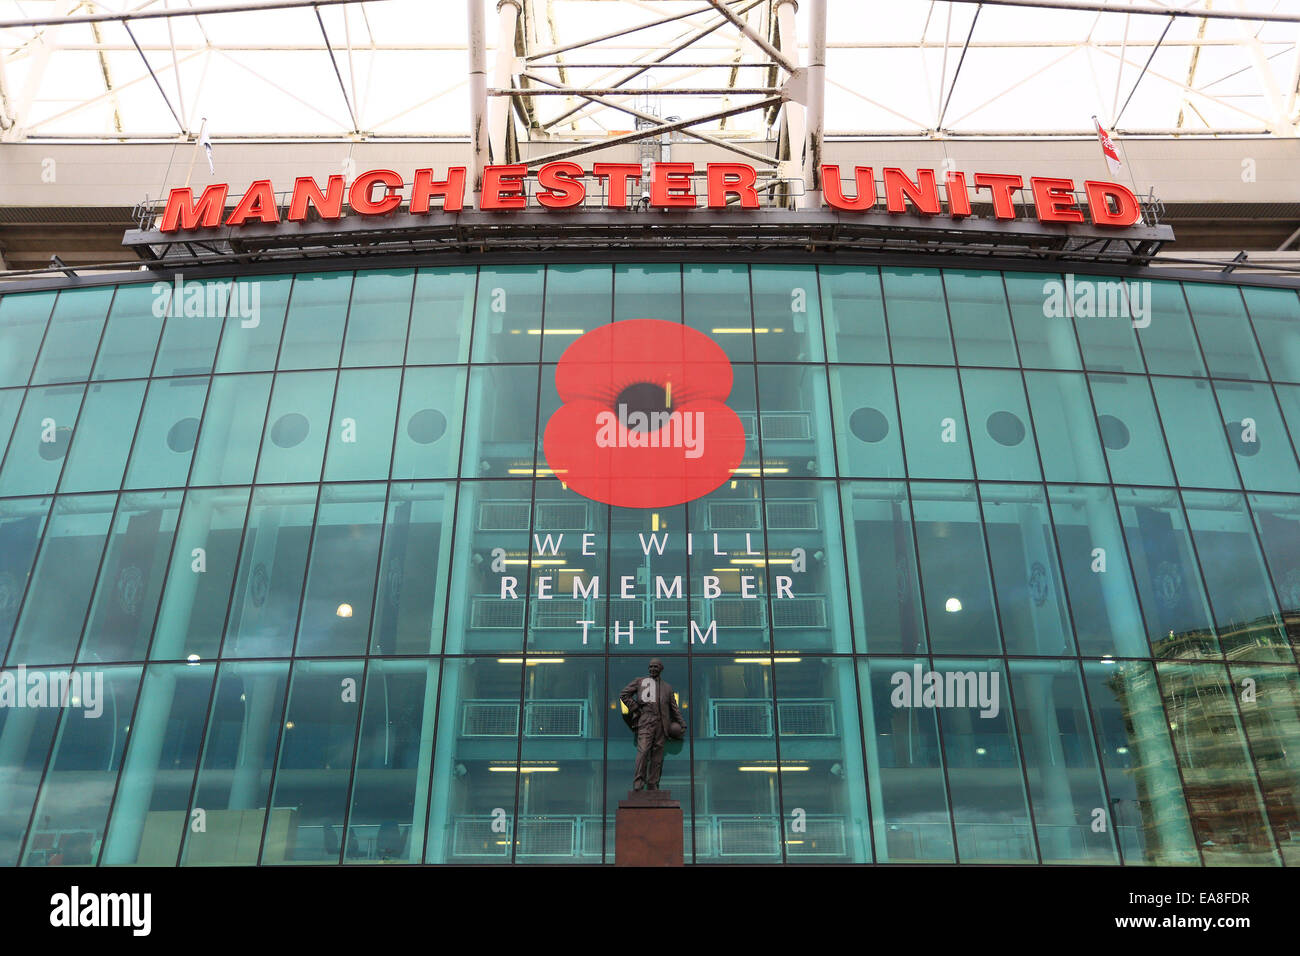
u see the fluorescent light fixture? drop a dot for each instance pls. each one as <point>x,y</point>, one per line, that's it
<point>556,331</point>
<point>785,768</point>
<point>524,769</point>
<point>531,663</point>
<point>952,605</point>
<point>343,610</point>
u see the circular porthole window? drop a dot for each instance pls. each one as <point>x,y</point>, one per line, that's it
<point>1114,433</point>
<point>1005,428</point>
<point>290,430</point>
<point>181,436</point>
<point>426,426</point>
<point>869,425</point>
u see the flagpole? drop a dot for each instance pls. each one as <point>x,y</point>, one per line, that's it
<point>189,172</point>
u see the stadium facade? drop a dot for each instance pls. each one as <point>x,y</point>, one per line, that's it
<point>301,563</point>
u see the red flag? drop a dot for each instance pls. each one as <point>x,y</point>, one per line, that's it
<point>1108,149</point>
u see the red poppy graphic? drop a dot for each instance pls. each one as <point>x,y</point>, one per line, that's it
<point>644,422</point>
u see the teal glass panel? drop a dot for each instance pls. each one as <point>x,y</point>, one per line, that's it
<point>1107,313</point>
<point>379,318</point>
<point>204,557</point>
<point>1035,615</point>
<point>1223,798</point>
<point>1130,429</point>
<point>22,521</point>
<point>297,424</point>
<point>1179,623</point>
<point>1270,716</point>
<point>934,431</point>
<point>232,424</point>
<point>568,552</point>
<point>1288,396</point>
<point>162,754</point>
<point>1066,427</point>
<point>882,570</point>
<point>1194,429</point>
<point>954,569</point>
<point>1168,341</point>
<point>578,298</point>
<point>867,436</point>
<point>1221,324</point>
<point>315,323</point>
<point>473,820</point>
<point>361,439</point>
<point>488,597</point>
<point>254,323</point>
<point>429,423</point>
<point>1275,315</point>
<point>1245,610</point>
<point>416,564</point>
<point>336,605</point>
<point>1258,438</point>
<point>1146,807</point>
<point>911,822</point>
<point>1094,561</point>
<point>314,762</point>
<point>169,428</point>
<point>562,793</point>
<point>73,803</point>
<point>732,601</point>
<point>102,439</point>
<point>49,628</point>
<point>981,322</point>
<point>508,314</point>
<point>234,778</point>
<point>25,737</point>
<point>390,785</point>
<point>649,291</point>
<point>11,401</point>
<point>853,314</point>
<point>73,336</point>
<point>190,337</point>
<point>787,305</point>
<point>1277,519</point>
<point>743,400</point>
<point>135,565</point>
<point>990,806</point>
<point>1065,781</point>
<point>23,318</point>
<point>805,573</point>
<point>796,421</point>
<point>646,575</point>
<point>1041,317</point>
<point>501,422</point>
<point>263,614</point>
<point>917,316</point>
<point>441,315</point>
<point>1000,428</point>
<point>40,440</point>
<point>823,779</point>
<point>131,335</point>
<point>735,792</point>
<point>716,301</point>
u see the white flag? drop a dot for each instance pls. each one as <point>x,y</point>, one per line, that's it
<point>206,143</point>
<point>1108,149</point>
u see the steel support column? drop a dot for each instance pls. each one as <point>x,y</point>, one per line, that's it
<point>478,98</point>
<point>816,102</point>
<point>796,127</point>
<point>508,13</point>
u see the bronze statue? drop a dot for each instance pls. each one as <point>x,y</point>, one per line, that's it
<point>654,716</point>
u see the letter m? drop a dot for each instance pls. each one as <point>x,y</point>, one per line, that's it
<point>183,212</point>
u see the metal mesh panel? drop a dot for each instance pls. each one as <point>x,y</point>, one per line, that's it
<point>503,516</point>
<point>626,609</point>
<point>733,515</point>
<point>739,612</point>
<point>742,718</point>
<point>555,718</point>
<point>672,610</point>
<point>799,612</point>
<point>490,718</point>
<point>748,836</point>
<point>547,836</point>
<point>561,516</point>
<point>806,718</point>
<point>824,836</point>
<point>590,835</point>
<point>558,613</point>
<point>473,836</point>
<point>489,611</point>
<point>795,515</point>
<point>786,426</point>
<point>748,421</point>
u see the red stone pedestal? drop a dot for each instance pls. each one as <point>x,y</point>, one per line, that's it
<point>648,830</point>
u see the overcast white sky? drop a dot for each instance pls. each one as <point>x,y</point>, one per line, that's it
<point>1046,86</point>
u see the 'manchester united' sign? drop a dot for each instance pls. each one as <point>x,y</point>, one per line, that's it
<point>561,185</point>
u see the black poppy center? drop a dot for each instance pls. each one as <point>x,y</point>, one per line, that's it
<point>643,397</point>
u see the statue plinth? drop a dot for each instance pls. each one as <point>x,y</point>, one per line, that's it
<point>648,830</point>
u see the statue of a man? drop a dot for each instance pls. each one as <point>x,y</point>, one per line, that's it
<point>654,715</point>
